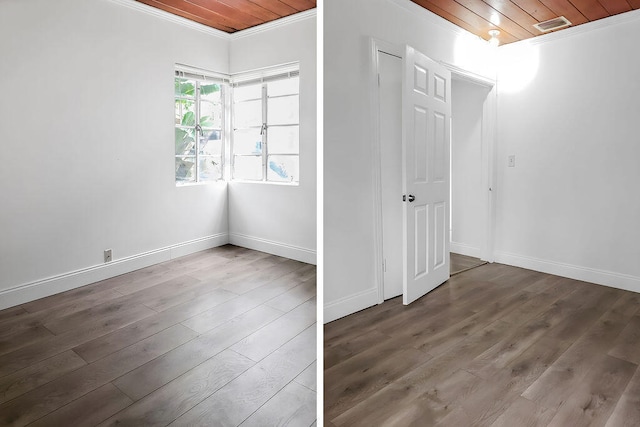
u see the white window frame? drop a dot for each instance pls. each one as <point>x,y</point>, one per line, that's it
<point>200,77</point>
<point>264,76</point>
<point>228,83</point>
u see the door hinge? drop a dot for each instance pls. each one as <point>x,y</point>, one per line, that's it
<point>384,265</point>
<point>378,79</point>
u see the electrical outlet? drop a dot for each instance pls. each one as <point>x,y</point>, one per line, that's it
<point>512,161</point>
<point>107,255</point>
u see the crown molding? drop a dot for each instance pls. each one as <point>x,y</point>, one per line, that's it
<point>622,18</point>
<point>141,7</point>
<point>300,16</point>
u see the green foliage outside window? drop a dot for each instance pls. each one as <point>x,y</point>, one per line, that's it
<point>198,130</point>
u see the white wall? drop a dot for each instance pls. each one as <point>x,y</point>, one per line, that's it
<point>571,117</point>
<point>349,283</point>
<point>280,219</point>
<point>86,136</point>
<point>466,161</point>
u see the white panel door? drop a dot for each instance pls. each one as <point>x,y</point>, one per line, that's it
<point>426,112</point>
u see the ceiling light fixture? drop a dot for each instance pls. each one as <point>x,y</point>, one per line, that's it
<point>493,41</point>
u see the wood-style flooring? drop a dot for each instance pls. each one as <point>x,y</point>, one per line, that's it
<point>225,336</point>
<point>493,346</point>
<point>459,263</point>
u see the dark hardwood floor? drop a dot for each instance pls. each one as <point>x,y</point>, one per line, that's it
<point>225,336</point>
<point>493,346</point>
<point>459,263</point>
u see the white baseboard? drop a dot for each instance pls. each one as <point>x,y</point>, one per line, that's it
<point>274,248</point>
<point>198,245</point>
<point>350,304</point>
<point>462,249</point>
<point>74,279</point>
<point>586,274</point>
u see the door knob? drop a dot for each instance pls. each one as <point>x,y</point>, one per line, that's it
<point>411,198</point>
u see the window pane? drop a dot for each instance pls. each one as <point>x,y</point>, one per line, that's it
<point>210,168</point>
<point>211,143</point>
<point>185,113</point>
<point>185,141</point>
<point>185,87</point>
<point>283,168</point>
<point>248,167</point>
<point>283,139</point>
<point>210,115</point>
<point>210,92</point>
<point>185,169</point>
<point>242,93</point>
<point>247,114</point>
<point>283,111</point>
<point>247,141</point>
<point>288,86</point>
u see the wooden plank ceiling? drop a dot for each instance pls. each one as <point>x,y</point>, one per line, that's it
<point>232,15</point>
<point>515,18</point>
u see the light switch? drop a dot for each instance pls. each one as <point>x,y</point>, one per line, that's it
<point>512,161</point>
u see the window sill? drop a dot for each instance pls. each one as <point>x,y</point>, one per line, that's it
<point>284,184</point>
<point>198,184</point>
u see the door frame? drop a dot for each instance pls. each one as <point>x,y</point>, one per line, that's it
<point>375,47</point>
<point>488,168</point>
<point>391,169</point>
<point>488,153</point>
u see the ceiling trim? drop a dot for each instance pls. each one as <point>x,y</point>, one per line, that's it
<point>150,10</point>
<point>622,18</point>
<point>300,16</point>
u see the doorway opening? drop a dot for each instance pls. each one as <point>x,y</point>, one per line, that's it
<point>466,191</point>
<point>470,230</point>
